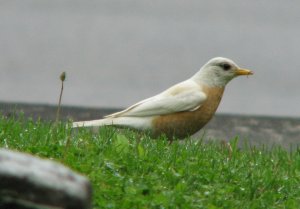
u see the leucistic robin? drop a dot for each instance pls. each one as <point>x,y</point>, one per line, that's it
<point>182,109</point>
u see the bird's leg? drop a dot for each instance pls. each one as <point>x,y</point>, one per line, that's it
<point>228,147</point>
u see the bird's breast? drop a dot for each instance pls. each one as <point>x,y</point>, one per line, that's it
<point>183,124</point>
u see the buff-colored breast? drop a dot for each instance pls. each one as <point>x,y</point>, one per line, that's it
<point>183,124</point>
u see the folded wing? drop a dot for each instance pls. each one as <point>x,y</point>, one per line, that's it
<point>185,96</point>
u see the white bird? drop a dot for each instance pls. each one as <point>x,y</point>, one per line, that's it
<point>182,109</point>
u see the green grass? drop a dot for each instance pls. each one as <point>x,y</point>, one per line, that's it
<point>131,170</point>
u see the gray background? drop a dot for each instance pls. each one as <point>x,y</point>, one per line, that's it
<point>116,53</point>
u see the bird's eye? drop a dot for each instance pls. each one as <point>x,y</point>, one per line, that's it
<point>226,66</point>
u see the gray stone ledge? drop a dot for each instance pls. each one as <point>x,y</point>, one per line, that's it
<point>256,130</point>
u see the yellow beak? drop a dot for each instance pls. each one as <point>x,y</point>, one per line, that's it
<point>241,71</point>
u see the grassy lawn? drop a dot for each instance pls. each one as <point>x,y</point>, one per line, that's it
<point>131,170</point>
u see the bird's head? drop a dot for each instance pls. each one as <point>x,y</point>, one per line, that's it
<point>219,71</point>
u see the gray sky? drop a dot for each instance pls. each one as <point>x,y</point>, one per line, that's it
<point>116,53</point>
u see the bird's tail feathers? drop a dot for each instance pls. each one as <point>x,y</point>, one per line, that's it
<point>92,123</point>
<point>133,122</point>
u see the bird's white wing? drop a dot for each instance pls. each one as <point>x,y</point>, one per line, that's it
<point>185,96</point>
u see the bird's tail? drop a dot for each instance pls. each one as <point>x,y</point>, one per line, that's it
<point>141,123</point>
<point>92,123</point>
